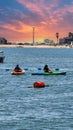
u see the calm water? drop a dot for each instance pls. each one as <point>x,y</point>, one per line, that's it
<point>25,108</point>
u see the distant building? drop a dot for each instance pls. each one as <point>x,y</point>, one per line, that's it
<point>3,40</point>
<point>66,40</point>
<point>49,42</point>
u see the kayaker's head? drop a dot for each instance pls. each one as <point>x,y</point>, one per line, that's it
<point>46,65</point>
<point>17,65</point>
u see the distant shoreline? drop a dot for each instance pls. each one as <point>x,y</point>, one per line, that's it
<point>34,46</point>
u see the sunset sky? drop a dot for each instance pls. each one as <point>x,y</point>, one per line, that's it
<point>18,17</point>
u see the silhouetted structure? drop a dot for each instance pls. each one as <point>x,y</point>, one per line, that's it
<point>33,35</point>
<point>66,40</point>
<point>3,40</point>
<point>57,36</point>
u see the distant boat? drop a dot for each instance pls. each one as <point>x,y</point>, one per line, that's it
<point>2,56</point>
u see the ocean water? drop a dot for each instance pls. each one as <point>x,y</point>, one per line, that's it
<point>22,107</point>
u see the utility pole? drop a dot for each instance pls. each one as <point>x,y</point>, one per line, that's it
<point>33,35</point>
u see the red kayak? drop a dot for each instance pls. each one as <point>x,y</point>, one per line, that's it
<point>18,73</point>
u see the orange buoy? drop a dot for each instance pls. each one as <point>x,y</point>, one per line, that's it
<point>39,84</point>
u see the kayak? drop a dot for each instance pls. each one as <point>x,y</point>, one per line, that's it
<point>18,73</point>
<point>49,73</point>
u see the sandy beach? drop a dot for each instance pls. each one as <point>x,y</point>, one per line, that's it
<point>35,46</point>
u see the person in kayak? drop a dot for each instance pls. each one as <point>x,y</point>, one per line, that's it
<point>17,69</point>
<point>47,69</point>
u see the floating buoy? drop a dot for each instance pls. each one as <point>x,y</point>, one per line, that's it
<point>39,84</point>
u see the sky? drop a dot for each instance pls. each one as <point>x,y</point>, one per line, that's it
<point>18,17</point>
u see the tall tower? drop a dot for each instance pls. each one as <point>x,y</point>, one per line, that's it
<point>57,36</point>
<point>33,35</point>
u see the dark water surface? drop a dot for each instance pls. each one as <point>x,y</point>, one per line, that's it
<point>25,108</point>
